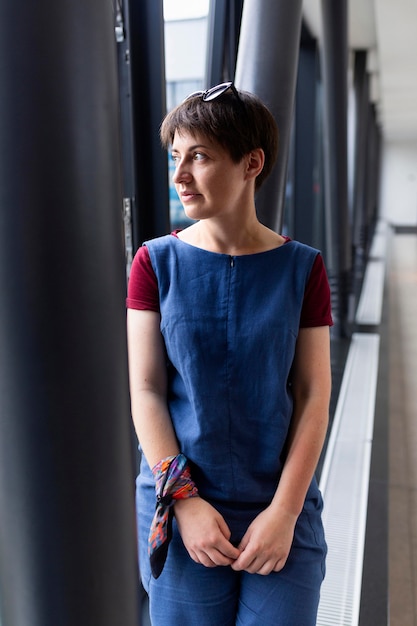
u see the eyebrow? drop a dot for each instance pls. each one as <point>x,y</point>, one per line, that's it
<point>194,147</point>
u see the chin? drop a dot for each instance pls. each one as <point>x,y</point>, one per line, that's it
<point>194,214</point>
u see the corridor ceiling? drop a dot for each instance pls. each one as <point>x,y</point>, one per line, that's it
<point>387,29</point>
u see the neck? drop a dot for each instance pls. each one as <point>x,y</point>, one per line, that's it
<point>230,237</point>
<point>234,237</point>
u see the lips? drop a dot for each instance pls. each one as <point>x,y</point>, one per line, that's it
<point>188,195</point>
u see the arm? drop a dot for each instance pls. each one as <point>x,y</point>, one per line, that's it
<point>267,542</point>
<point>148,386</point>
<point>203,529</point>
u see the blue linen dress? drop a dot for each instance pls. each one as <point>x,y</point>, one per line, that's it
<point>230,326</point>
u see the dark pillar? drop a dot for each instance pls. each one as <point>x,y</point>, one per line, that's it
<point>307,220</point>
<point>361,85</point>
<point>335,68</point>
<point>374,170</point>
<point>67,536</point>
<point>150,216</point>
<point>267,66</point>
<point>377,162</point>
<point>223,37</point>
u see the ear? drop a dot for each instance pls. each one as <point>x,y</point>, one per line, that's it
<point>254,163</point>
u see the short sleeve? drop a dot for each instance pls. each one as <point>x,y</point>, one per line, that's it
<point>316,309</point>
<point>142,291</point>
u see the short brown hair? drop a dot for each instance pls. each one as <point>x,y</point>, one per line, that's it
<point>239,126</point>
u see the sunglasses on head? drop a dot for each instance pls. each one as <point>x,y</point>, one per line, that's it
<point>215,92</point>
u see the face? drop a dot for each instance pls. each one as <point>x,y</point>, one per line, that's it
<point>208,182</point>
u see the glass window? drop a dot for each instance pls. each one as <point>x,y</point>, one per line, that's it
<point>186,25</point>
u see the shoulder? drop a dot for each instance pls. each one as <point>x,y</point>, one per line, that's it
<point>300,248</point>
<point>143,282</point>
<point>301,254</point>
<point>159,243</point>
<point>161,249</point>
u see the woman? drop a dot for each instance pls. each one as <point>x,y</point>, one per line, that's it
<point>228,333</point>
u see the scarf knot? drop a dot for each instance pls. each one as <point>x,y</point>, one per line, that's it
<point>172,482</point>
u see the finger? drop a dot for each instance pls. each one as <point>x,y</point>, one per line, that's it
<point>228,550</point>
<point>244,542</point>
<point>223,544</point>
<point>246,561</point>
<point>202,559</point>
<point>214,559</point>
<point>223,552</point>
<point>265,569</point>
<point>271,566</point>
<point>225,547</point>
<point>213,555</point>
<point>279,565</point>
<point>207,561</point>
<point>224,528</point>
<point>221,560</point>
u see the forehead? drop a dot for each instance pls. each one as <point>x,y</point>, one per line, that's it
<point>185,140</point>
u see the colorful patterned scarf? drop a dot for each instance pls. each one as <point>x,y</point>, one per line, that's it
<point>172,482</point>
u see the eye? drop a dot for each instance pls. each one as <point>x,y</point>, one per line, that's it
<point>175,158</point>
<point>198,156</point>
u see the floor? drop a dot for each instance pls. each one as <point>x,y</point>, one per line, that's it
<point>402,269</point>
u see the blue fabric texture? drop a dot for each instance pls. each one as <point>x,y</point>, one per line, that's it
<point>230,326</point>
<point>190,594</point>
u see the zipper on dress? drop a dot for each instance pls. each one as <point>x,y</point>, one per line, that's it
<point>232,261</point>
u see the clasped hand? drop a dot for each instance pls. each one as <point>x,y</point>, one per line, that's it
<point>264,547</point>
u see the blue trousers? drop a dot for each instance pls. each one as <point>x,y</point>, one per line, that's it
<point>190,594</point>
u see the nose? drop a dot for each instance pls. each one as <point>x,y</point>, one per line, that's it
<point>181,173</point>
